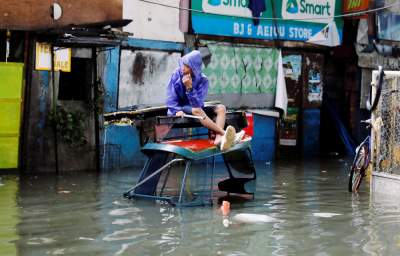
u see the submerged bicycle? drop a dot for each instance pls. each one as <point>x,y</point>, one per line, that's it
<point>360,163</point>
<point>363,151</point>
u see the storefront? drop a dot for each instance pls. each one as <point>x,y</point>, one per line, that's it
<point>246,43</point>
<point>54,80</point>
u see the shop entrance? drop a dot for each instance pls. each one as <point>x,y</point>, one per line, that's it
<point>299,132</point>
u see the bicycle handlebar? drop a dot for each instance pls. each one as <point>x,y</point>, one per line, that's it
<point>372,104</point>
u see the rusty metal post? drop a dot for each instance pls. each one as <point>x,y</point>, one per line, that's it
<point>54,106</point>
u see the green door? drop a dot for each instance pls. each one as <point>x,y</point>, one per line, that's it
<point>11,75</point>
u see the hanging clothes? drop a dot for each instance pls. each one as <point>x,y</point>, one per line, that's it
<point>256,7</point>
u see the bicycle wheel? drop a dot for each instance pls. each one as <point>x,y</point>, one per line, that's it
<point>358,167</point>
<point>356,177</point>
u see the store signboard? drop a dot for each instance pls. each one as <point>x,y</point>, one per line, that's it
<point>297,20</point>
<point>314,10</point>
<point>355,6</point>
<point>62,58</point>
<point>350,6</point>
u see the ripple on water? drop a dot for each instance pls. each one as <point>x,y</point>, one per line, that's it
<point>40,241</point>
<point>60,251</point>
<point>124,211</point>
<point>121,221</point>
<point>325,214</point>
<point>126,234</point>
<point>307,198</point>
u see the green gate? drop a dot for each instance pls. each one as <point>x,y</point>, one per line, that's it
<point>11,75</point>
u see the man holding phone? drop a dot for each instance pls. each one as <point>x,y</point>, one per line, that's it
<point>186,92</point>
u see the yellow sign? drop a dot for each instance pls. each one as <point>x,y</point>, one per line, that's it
<point>62,58</point>
<point>350,6</point>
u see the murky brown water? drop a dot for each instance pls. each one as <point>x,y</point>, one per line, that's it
<point>85,214</point>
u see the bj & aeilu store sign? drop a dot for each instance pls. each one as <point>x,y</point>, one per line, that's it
<point>298,20</point>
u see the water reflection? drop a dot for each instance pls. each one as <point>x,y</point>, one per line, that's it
<point>84,214</point>
<point>60,214</point>
<point>8,215</point>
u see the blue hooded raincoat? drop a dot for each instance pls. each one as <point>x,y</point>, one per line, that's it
<point>177,96</point>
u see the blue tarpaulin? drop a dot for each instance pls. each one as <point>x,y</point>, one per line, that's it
<point>342,130</point>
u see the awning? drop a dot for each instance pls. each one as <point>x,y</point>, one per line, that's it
<point>100,34</point>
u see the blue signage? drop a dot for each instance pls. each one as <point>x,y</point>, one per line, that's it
<point>297,20</point>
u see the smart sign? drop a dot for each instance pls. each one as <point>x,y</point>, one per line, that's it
<point>297,20</point>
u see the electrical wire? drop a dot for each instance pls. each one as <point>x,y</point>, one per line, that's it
<point>353,14</point>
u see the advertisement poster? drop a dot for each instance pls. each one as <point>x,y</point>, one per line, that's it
<point>314,86</point>
<point>288,129</point>
<point>292,66</point>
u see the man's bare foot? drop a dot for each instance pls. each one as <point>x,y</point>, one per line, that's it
<point>218,139</point>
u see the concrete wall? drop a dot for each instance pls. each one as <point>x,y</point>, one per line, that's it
<point>144,76</point>
<point>124,138</point>
<point>385,184</point>
<point>149,18</point>
<point>33,14</point>
<point>127,84</point>
<point>239,76</point>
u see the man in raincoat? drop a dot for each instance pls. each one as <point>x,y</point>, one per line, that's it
<point>187,90</point>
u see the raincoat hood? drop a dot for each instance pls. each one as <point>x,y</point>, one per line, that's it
<point>193,60</point>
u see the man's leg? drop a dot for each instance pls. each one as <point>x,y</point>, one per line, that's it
<point>220,110</point>
<point>228,139</point>
<point>217,127</point>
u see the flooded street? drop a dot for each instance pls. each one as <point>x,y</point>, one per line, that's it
<point>85,214</point>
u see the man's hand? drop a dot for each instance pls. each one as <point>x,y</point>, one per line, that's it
<point>187,81</point>
<point>179,113</point>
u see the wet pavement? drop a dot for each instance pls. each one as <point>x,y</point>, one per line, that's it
<point>85,214</point>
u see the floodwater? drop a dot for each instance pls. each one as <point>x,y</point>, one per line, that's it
<point>85,214</point>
